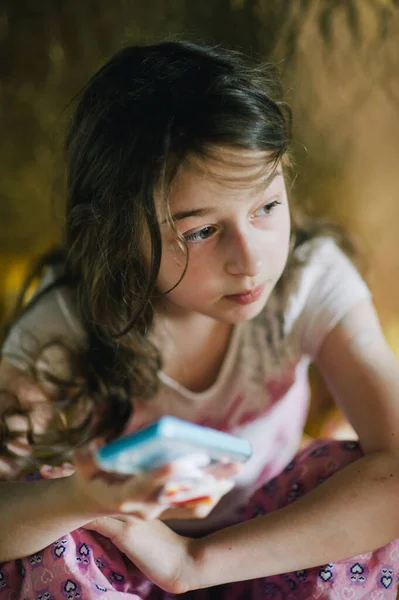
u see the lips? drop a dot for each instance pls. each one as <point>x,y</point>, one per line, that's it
<point>247,292</point>
<point>247,297</point>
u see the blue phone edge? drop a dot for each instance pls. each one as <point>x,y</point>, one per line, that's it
<point>173,428</point>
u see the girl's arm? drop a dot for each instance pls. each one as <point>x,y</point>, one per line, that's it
<point>356,510</point>
<point>352,512</point>
<point>35,514</point>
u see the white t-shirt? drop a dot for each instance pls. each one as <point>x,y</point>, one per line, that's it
<point>261,392</point>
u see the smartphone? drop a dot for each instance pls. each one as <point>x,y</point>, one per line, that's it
<point>170,439</point>
<point>191,447</point>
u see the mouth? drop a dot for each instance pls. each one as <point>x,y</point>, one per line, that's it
<point>248,296</point>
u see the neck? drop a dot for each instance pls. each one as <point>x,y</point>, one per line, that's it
<point>173,326</point>
<point>175,316</point>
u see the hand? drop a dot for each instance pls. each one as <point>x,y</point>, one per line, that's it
<point>200,509</point>
<point>19,394</point>
<point>193,510</point>
<point>160,554</point>
<point>110,493</point>
<point>106,493</point>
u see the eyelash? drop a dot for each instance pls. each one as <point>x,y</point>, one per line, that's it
<point>270,206</point>
<point>193,237</point>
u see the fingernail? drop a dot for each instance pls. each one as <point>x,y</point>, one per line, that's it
<point>47,468</point>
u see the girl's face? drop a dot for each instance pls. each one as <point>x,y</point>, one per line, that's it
<point>237,229</point>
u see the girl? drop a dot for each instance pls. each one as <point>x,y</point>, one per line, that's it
<point>183,289</point>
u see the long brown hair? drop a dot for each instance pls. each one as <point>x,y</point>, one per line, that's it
<point>137,120</point>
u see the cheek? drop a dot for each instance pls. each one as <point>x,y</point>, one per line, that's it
<point>172,267</point>
<point>198,270</point>
<point>197,278</point>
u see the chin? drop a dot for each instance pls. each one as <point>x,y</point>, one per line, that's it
<point>247,315</point>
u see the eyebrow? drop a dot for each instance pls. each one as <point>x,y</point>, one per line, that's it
<point>203,212</point>
<point>198,212</point>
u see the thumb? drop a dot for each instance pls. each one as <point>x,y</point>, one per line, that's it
<point>223,470</point>
<point>114,528</point>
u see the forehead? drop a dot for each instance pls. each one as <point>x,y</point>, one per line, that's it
<point>221,171</point>
<point>231,167</point>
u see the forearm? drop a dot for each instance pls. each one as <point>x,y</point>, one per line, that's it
<point>35,514</point>
<point>353,512</point>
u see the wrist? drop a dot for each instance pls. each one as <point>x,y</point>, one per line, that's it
<point>80,501</point>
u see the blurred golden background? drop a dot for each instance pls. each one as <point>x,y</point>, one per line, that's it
<point>339,63</point>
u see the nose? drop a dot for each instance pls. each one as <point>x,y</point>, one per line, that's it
<point>243,257</point>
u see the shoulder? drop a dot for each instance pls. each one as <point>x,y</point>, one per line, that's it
<point>50,315</point>
<point>307,264</point>
<point>318,263</point>
<point>317,254</point>
<point>319,290</point>
<point>56,297</point>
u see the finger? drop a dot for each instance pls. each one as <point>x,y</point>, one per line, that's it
<point>19,447</point>
<point>16,422</point>
<point>114,527</point>
<point>222,470</point>
<point>146,488</point>
<point>28,392</point>
<point>202,510</point>
<point>156,479</point>
<point>68,465</point>
<point>162,473</point>
<point>8,467</point>
<point>42,418</point>
<point>56,472</point>
<point>198,511</point>
<point>147,485</point>
<point>16,439</point>
<point>37,416</point>
<point>108,526</point>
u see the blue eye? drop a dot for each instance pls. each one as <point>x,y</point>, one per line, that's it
<point>268,208</point>
<point>201,234</point>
